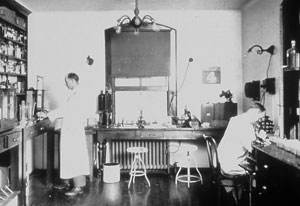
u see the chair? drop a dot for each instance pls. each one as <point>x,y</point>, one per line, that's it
<point>134,172</point>
<point>219,178</point>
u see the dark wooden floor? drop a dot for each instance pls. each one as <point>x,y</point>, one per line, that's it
<point>163,192</point>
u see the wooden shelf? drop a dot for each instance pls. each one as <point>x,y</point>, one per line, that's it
<point>13,57</point>
<point>13,74</point>
<point>16,42</point>
<point>12,23</point>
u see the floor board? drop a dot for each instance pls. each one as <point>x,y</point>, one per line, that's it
<point>163,192</point>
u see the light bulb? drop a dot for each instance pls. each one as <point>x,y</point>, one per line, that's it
<point>136,31</point>
<point>118,29</point>
<point>155,27</point>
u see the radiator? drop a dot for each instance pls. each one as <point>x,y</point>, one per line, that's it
<point>155,159</point>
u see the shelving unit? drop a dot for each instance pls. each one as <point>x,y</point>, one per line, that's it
<point>13,86</point>
<point>291,91</point>
<point>13,57</point>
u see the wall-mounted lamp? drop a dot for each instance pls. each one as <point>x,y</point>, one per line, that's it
<point>260,50</point>
<point>136,21</point>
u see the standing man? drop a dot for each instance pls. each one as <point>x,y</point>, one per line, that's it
<point>74,162</point>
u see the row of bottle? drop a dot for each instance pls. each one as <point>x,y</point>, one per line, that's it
<point>25,111</point>
<point>13,34</point>
<point>293,57</point>
<point>11,49</point>
<point>12,66</point>
<point>104,101</point>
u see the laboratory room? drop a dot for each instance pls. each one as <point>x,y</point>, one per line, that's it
<point>149,102</point>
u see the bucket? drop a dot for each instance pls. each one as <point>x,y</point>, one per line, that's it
<point>111,172</point>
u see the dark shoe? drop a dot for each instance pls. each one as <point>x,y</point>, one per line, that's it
<point>61,186</point>
<point>74,192</point>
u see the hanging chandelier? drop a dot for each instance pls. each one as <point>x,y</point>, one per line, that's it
<point>136,21</point>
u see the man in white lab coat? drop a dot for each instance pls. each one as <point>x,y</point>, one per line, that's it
<point>237,139</point>
<point>74,162</point>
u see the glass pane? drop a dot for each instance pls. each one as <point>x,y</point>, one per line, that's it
<point>127,82</point>
<point>129,105</point>
<point>154,81</point>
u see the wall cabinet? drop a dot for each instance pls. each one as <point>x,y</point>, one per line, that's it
<point>291,31</point>
<point>13,53</point>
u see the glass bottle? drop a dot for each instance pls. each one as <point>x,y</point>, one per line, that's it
<point>101,101</point>
<point>292,57</point>
<point>108,101</point>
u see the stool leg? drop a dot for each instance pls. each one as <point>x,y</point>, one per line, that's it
<point>145,171</point>
<point>132,172</point>
<point>136,161</point>
<point>188,173</point>
<point>196,167</point>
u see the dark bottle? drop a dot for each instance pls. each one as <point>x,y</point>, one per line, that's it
<point>292,56</point>
<point>101,101</point>
<point>108,101</point>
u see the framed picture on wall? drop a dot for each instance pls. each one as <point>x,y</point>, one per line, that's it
<point>211,75</point>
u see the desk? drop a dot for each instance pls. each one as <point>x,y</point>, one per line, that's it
<point>104,135</point>
<point>278,176</point>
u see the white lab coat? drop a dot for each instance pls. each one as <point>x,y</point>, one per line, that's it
<point>236,143</point>
<point>73,148</point>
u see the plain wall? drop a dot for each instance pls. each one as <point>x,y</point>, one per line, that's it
<point>59,42</point>
<point>261,24</point>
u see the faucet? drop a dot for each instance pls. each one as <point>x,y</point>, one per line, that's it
<point>141,122</point>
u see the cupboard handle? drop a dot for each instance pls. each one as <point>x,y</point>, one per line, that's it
<point>266,166</point>
<point>15,139</point>
<point>42,128</point>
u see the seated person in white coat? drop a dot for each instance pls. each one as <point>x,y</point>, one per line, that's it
<point>74,162</point>
<point>237,140</point>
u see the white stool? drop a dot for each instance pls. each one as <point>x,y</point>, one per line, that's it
<point>186,163</point>
<point>137,151</point>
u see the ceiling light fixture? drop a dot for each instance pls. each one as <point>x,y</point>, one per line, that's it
<point>136,21</point>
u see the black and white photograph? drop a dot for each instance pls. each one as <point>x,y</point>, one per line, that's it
<point>149,102</point>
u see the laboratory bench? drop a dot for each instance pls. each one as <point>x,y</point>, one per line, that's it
<point>111,143</point>
<point>14,155</point>
<point>277,176</point>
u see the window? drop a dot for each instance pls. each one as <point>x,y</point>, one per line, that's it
<point>140,96</point>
